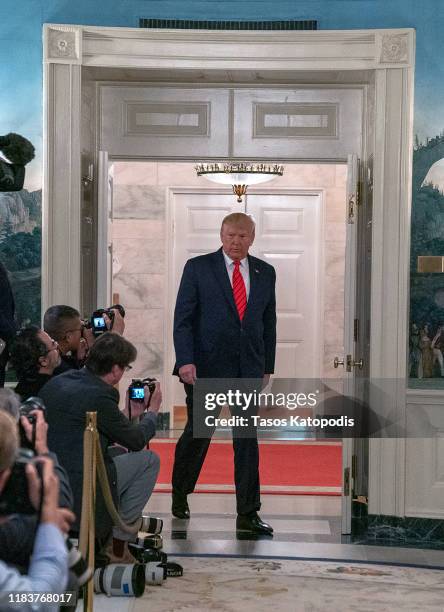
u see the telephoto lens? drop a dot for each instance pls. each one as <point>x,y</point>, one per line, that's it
<point>155,573</point>
<point>118,580</point>
<point>151,524</point>
<point>151,541</point>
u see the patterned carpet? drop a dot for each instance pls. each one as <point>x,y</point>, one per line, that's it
<point>233,585</point>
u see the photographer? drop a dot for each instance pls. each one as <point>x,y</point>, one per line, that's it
<point>34,356</point>
<point>64,324</point>
<point>132,475</point>
<point>18,535</point>
<point>48,568</point>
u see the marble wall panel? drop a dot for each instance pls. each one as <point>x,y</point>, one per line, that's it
<point>144,323</point>
<point>138,202</point>
<point>333,328</point>
<point>138,256</point>
<point>334,259</point>
<point>140,290</point>
<point>148,229</point>
<point>135,173</point>
<point>306,176</point>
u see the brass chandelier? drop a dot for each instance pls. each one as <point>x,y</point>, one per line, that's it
<point>239,174</point>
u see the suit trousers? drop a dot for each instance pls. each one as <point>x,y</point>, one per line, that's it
<point>190,455</point>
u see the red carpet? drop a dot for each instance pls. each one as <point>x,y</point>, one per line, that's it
<point>286,468</point>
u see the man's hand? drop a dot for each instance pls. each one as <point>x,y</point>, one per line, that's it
<point>187,373</point>
<point>48,486</point>
<point>64,519</point>
<point>118,327</point>
<point>41,431</point>
<point>156,399</point>
<point>50,492</point>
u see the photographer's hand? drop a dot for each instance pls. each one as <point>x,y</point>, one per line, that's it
<point>41,431</point>
<point>118,327</point>
<point>156,399</point>
<point>50,505</point>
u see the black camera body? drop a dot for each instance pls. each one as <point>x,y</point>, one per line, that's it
<point>28,406</point>
<point>97,321</point>
<point>15,496</point>
<point>137,388</point>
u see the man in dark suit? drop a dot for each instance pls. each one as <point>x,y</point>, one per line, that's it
<point>224,327</point>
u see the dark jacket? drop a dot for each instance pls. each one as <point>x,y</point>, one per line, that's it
<point>68,398</point>
<point>207,328</point>
<point>28,387</point>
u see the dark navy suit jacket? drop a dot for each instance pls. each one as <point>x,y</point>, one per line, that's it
<point>207,328</point>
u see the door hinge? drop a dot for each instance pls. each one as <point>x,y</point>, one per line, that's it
<point>356,330</point>
<point>346,481</point>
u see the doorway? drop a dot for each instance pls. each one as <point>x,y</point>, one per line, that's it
<point>380,61</point>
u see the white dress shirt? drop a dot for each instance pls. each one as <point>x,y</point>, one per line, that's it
<point>244,270</point>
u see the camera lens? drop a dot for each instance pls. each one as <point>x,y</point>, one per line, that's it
<point>155,573</point>
<point>120,580</point>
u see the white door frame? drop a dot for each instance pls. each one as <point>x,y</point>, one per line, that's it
<point>388,53</point>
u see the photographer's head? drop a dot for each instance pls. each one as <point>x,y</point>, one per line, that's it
<point>64,324</point>
<point>34,352</point>
<point>110,356</point>
<point>8,446</point>
<point>10,402</point>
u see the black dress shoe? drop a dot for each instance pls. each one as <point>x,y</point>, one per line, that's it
<point>253,523</point>
<point>179,507</point>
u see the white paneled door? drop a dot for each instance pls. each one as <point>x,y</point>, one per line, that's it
<point>288,236</point>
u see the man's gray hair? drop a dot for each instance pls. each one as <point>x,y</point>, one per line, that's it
<point>10,402</point>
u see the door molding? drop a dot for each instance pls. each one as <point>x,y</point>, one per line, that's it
<point>388,53</point>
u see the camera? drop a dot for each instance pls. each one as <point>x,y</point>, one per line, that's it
<point>137,388</point>
<point>15,496</point>
<point>97,321</point>
<point>146,555</point>
<point>31,404</point>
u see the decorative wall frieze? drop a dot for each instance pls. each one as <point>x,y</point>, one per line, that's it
<point>63,44</point>
<point>395,49</point>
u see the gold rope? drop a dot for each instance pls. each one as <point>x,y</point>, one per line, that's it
<point>93,464</point>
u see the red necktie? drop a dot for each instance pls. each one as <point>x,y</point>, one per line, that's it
<point>239,291</point>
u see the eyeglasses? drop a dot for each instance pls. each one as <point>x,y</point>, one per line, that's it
<point>54,347</point>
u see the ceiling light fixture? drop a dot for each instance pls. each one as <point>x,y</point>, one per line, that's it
<point>239,174</point>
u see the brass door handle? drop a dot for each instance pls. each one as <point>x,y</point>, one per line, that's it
<point>358,364</point>
<point>337,362</point>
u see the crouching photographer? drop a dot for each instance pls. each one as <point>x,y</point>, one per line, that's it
<point>132,476</point>
<point>32,486</point>
<point>74,336</point>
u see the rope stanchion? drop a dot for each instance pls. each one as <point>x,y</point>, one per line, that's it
<point>87,519</point>
<point>94,464</point>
